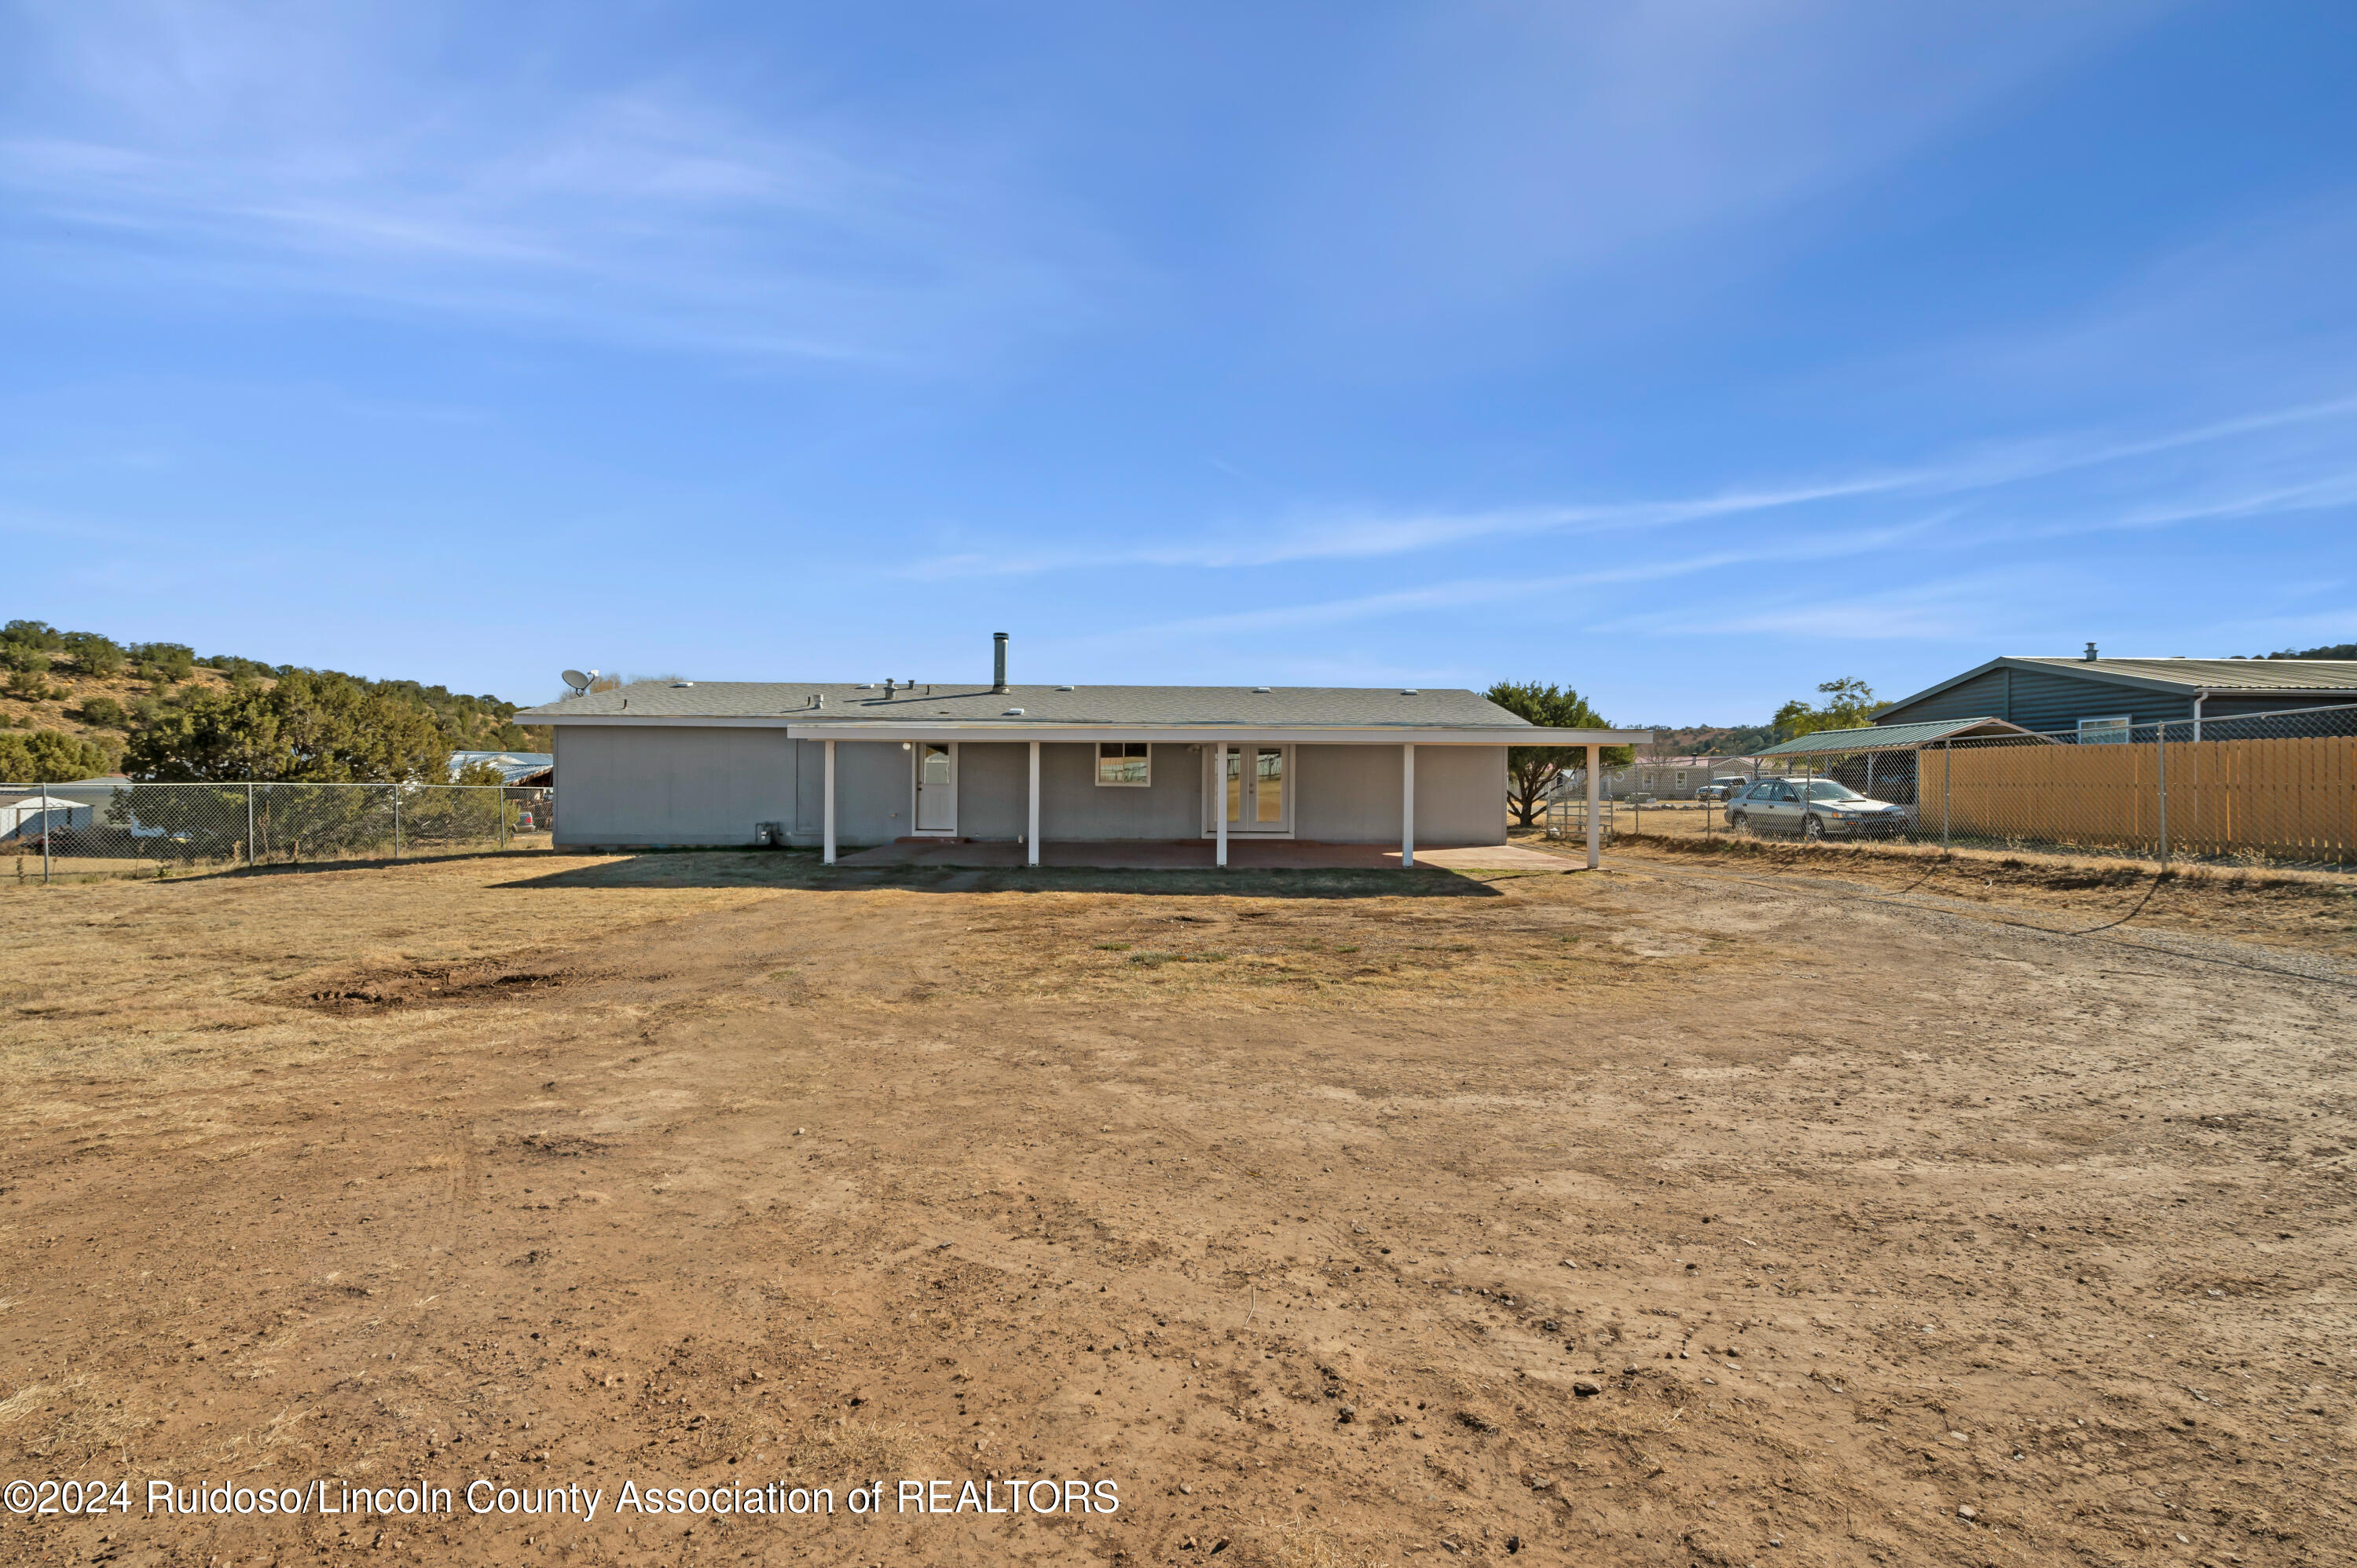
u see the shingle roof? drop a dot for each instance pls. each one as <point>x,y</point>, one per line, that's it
<point>1355,706</point>
<point>2219,674</point>
<point>1890,737</point>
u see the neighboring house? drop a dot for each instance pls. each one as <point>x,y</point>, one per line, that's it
<point>662,763</point>
<point>1665,778</point>
<point>2101,697</point>
<point>30,816</point>
<point>1672,778</point>
<point>515,767</point>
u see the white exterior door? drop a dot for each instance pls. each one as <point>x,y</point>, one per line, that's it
<point>936,784</point>
<point>1257,792</point>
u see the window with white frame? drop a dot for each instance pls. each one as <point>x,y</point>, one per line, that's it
<point>2112,731</point>
<point>1124,764</point>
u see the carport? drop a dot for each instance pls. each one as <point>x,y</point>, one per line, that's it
<point>1818,754</point>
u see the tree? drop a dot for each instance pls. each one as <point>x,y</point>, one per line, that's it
<point>30,636</point>
<point>162,661</point>
<point>104,713</point>
<point>1532,771</point>
<point>1849,704</point>
<point>93,654</point>
<point>50,756</point>
<point>308,728</point>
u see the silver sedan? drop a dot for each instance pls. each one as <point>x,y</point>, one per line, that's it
<point>1828,810</point>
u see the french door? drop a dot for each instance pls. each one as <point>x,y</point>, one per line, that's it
<point>1256,792</point>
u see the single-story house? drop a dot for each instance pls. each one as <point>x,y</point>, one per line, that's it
<point>665,764</point>
<point>2098,698</point>
<point>1672,778</point>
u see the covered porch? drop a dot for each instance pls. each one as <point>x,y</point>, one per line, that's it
<point>1228,838</point>
<point>1244,854</point>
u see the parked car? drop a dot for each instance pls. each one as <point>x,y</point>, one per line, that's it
<point>1725,789</point>
<point>1830,811</point>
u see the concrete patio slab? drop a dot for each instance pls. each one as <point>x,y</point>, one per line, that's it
<point>1289,854</point>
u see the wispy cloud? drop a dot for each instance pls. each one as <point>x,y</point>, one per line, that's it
<point>1995,471</point>
<point>1469,592</point>
<point>1485,152</point>
<point>199,154</point>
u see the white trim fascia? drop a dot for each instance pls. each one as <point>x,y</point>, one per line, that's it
<point>664,721</point>
<point>1165,735</point>
<point>1179,735</point>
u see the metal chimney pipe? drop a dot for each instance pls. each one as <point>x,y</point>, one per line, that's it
<point>2089,657</point>
<point>998,662</point>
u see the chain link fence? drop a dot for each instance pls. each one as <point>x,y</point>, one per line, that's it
<point>113,828</point>
<point>1566,816</point>
<point>2273,788</point>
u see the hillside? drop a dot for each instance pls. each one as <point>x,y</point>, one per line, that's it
<point>84,695</point>
<point>1712,740</point>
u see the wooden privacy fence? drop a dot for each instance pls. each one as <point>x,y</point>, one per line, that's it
<point>2289,799</point>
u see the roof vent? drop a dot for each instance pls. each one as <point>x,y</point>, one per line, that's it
<point>865,686</point>
<point>677,684</point>
<point>2088,656</point>
<point>1013,713</point>
<point>1261,689</point>
<point>1409,691</point>
<point>1063,688</point>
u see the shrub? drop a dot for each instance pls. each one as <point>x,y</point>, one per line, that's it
<point>38,636</point>
<point>104,713</point>
<point>94,654</point>
<point>164,660</point>
<point>51,757</point>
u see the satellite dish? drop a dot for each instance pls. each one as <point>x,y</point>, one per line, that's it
<point>577,681</point>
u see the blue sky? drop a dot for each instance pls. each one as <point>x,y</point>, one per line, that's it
<point>1689,353</point>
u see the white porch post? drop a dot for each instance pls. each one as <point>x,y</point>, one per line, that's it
<point>1594,806</point>
<point>1031,832</point>
<point>1220,804</point>
<point>826,851</point>
<point>1407,808</point>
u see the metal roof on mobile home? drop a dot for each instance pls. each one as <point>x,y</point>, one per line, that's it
<point>1891,737</point>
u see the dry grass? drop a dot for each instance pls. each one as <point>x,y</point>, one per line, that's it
<point>670,1161</point>
<point>860,1451</point>
<point>1297,1542</point>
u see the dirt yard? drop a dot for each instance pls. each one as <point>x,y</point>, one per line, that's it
<point>1710,1210</point>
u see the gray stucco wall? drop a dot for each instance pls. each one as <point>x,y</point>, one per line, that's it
<point>618,786</point>
<point>694,786</point>
<point>1073,805</point>
<point>1351,794</point>
<point>994,778</point>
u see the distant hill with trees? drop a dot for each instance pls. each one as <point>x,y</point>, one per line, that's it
<point>1847,702</point>
<point>76,704</point>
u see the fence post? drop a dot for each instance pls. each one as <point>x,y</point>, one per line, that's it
<point>46,829</point>
<point>249,824</point>
<point>396,819</point>
<point>2160,757</point>
<point>1947,767</point>
<point>503,816</point>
